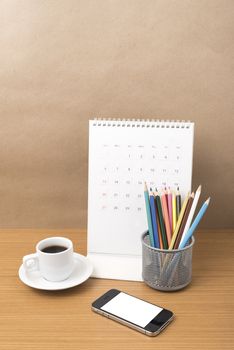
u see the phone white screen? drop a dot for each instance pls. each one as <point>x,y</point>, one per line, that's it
<point>132,309</point>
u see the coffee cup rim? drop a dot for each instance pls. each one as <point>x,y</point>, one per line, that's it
<point>65,241</point>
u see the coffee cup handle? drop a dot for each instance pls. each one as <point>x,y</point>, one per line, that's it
<point>31,262</point>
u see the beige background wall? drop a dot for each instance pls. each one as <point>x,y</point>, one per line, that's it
<point>63,62</point>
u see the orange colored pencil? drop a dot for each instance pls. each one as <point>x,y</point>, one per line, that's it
<point>166,217</point>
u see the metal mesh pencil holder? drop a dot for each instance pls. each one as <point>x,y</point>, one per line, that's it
<point>166,270</point>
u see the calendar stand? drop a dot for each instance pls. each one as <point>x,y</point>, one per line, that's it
<point>117,266</point>
<point>123,154</point>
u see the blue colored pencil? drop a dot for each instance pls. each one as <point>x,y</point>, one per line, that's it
<point>148,213</point>
<point>154,220</point>
<point>193,227</point>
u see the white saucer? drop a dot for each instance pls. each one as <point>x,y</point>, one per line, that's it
<point>82,271</point>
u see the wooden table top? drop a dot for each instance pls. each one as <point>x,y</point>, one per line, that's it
<point>34,319</point>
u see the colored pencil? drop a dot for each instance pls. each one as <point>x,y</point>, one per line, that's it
<point>169,205</point>
<point>195,223</point>
<point>161,221</point>
<point>192,211</point>
<point>178,204</point>
<point>154,220</point>
<point>179,222</point>
<point>159,229</point>
<point>166,217</point>
<point>183,222</point>
<point>166,195</point>
<point>148,213</point>
<point>173,211</point>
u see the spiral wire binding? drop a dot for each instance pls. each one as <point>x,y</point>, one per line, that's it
<point>141,123</point>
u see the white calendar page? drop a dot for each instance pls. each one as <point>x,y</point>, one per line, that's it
<point>122,156</point>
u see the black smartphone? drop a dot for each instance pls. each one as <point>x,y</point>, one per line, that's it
<point>135,313</point>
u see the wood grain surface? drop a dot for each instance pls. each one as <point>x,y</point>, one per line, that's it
<point>33,319</point>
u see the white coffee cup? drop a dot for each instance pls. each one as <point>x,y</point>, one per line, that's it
<point>53,266</point>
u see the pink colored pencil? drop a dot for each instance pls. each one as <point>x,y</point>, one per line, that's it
<point>166,217</point>
<point>169,205</point>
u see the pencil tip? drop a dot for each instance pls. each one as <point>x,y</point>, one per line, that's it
<point>207,201</point>
<point>146,189</point>
<point>199,188</point>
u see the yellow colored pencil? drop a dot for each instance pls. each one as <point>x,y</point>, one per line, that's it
<point>173,212</point>
<point>179,222</point>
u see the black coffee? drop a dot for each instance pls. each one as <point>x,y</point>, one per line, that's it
<point>54,249</point>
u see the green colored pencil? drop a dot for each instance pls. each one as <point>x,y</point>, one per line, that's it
<point>178,203</point>
<point>161,220</point>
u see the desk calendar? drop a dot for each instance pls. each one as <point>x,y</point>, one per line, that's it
<point>123,154</point>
